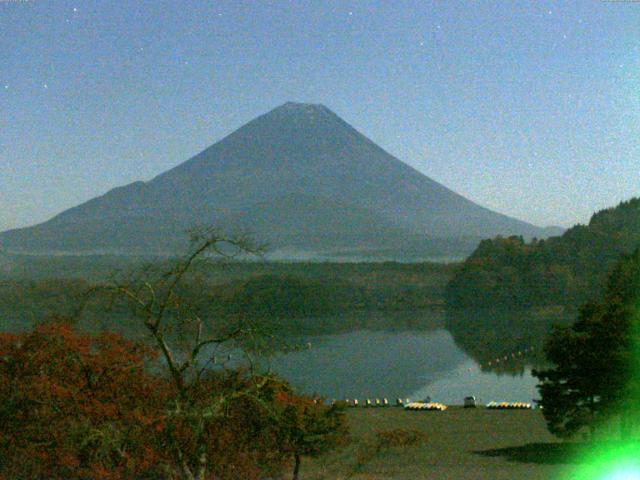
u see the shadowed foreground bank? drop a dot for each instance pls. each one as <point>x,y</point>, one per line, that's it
<point>457,444</point>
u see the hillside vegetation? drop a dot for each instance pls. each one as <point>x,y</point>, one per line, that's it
<point>290,296</point>
<point>565,270</point>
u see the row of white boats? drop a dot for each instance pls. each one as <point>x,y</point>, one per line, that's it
<point>469,402</point>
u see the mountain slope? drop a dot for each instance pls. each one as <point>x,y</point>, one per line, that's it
<point>295,174</point>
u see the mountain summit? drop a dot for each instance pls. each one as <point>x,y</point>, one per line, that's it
<point>298,177</point>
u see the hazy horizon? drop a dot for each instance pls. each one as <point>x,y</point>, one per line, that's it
<point>529,109</point>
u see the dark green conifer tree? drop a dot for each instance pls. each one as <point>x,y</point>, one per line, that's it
<point>597,359</point>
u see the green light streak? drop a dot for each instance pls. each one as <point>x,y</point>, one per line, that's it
<point>611,462</point>
<point>617,460</point>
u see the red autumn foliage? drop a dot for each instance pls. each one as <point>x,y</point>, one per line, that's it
<point>307,426</point>
<point>77,406</point>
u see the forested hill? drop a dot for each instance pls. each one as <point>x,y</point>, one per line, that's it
<point>565,270</point>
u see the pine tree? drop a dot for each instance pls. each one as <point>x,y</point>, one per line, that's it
<point>596,359</point>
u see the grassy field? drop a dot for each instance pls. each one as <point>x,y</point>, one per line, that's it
<point>459,443</point>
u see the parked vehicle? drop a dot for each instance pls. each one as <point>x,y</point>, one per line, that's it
<point>470,402</point>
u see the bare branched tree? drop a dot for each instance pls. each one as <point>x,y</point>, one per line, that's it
<point>188,341</point>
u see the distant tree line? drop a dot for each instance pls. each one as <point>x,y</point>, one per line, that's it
<point>283,298</point>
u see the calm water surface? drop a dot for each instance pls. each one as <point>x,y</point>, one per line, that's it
<point>415,364</point>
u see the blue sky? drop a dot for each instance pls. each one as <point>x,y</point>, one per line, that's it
<point>529,108</point>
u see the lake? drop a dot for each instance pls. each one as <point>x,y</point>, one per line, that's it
<point>390,364</point>
<point>406,354</point>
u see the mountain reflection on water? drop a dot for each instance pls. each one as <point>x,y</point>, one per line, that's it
<point>444,355</point>
<point>415,363</point>
<point>370,364</point>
